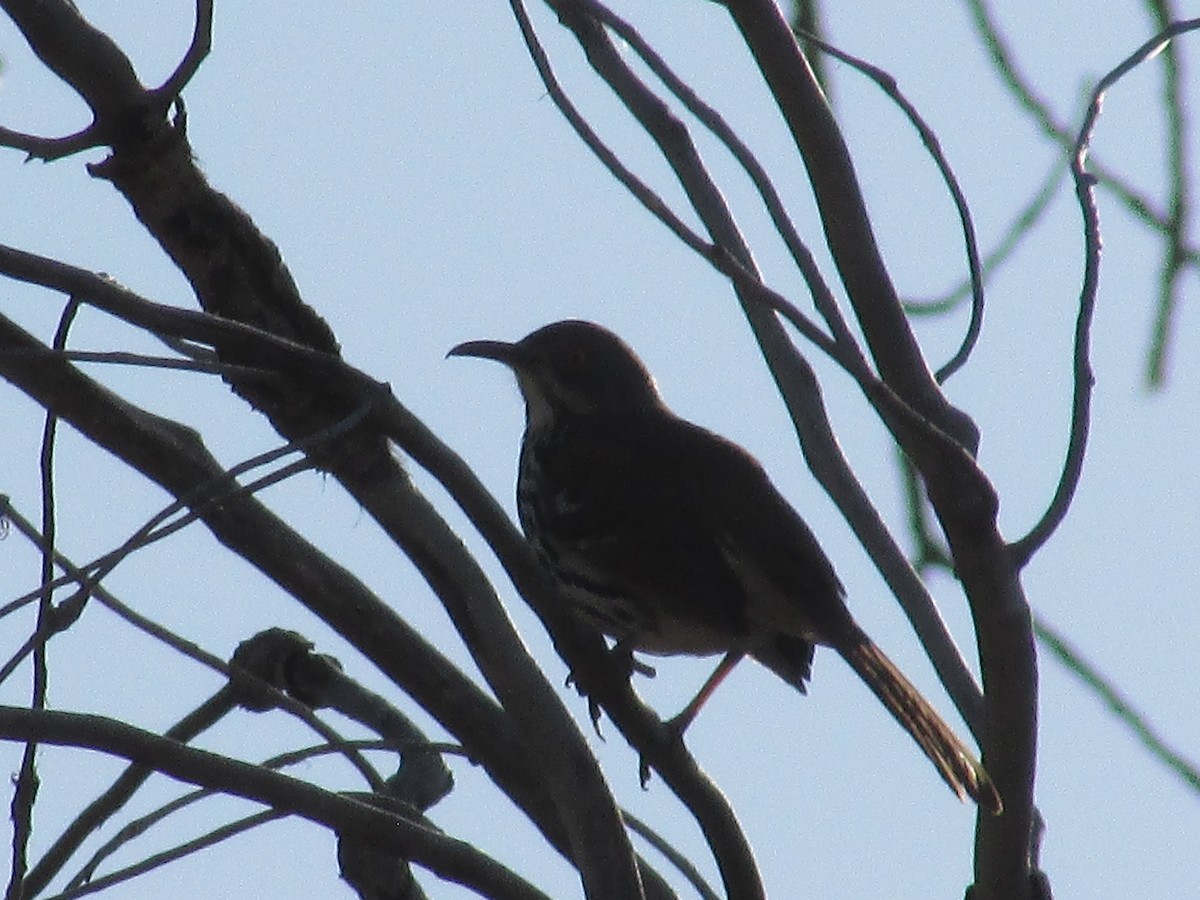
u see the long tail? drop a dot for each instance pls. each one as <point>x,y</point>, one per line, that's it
<point>954,762</point>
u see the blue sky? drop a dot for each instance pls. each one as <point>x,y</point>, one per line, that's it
<point>424,191</point>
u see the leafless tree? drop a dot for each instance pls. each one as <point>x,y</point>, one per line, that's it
<point>276,352</point>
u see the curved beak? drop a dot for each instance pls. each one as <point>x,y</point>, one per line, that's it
<point>500,351</point>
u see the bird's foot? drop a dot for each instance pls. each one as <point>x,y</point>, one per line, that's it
<point>626,664</point>
<point>594,712</point>
<point>644,773</point>
<point>622,656</point>
<point>593,705</point>
<point>671,732</point>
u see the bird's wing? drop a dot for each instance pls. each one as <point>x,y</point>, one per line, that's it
<point>790,582</point>
<point>694,518</point>
<point>625,517</point>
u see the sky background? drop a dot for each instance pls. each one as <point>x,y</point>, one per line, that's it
<point>424,191</point>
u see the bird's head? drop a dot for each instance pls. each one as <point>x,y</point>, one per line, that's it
<point>572,368</point>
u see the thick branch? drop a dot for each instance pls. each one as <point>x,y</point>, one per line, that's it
<point>237,273</point>
<point>173,457</point>
<point>409,517</point>
<point>962,497</point>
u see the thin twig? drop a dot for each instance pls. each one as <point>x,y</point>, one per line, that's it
<point>207,365</point>
<point>1070,657</point>
<point>676,858</point>
<point>197,51</point>
<point>50,149</point>
<point>1004,60</point>
<point>1174,263</point>
<point>156,529</point>
<point>712,120</point>
<point>81,886</point>
<point>888,84</point>
<point>25,788</point>
<point>100,810</point>
<point>1021,224</point>
<point>644,194</point>
<point>215,489</point>
<point>1085,187</point>
<point>193,651</point>
<point>139,826</point>
<point>1140,205</point>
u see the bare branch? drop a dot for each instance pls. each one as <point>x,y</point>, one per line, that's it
<point>49,149</point>
<point>712,120</point>
<point>1171,223</point>
<point>848,229</point>
<point>27,782</point>
<point>196,53</point>
<point>1022,222</point>
<point>673,856</point>
<point>83,883</point>
<point>1175,262</point>
<point>975,270</point>
<point>647,197</point>
<point>172,456</point>
<point>88,60</point>
<point>100,810</point>
<point>1123,709</point>
<point>1081,404</point>
<point>448,858</point>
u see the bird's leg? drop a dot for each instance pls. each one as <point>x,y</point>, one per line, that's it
<point>680,723</point>
<point>677,726</point>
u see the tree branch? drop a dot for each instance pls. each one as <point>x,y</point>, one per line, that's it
<point>450,859</point>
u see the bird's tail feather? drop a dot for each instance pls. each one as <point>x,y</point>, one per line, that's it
<point>955,763</point>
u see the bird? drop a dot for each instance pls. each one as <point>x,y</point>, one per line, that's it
<point>672,540</point>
